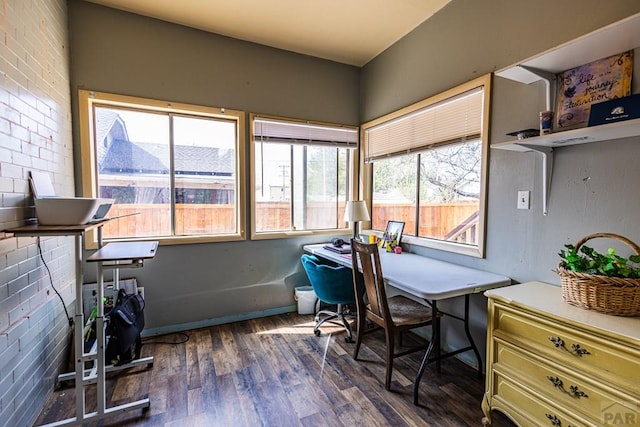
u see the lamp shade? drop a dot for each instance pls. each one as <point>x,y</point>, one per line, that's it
<point>356,210</point>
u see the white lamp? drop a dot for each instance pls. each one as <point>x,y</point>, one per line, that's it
<point>356,211</point>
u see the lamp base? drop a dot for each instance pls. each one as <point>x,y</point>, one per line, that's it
<point>356,235</point>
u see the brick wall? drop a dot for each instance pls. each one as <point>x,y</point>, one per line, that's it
<point>35,134</point>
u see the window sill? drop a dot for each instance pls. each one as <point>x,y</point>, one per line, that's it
<point>302,233</point>
<point>458,248</point>
<point>170,241</point>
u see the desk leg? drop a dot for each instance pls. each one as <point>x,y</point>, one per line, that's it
<point>100,339</point>
<point>469,337</point>
<point>433,344</point>
<point>436,322</point>
<point>78,333</point>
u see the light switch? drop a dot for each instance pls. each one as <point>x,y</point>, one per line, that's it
<point>523,199</point>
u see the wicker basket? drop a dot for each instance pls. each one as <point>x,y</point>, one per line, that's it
<point>609,295</point>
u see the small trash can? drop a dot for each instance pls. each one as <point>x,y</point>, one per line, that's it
<point>306,298</point>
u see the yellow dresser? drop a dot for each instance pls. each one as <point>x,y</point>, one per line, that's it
<point>553,364</point>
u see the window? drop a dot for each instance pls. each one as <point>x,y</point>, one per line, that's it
<point>428,168</point>
<point>174,170</point>
<point>302,176</point>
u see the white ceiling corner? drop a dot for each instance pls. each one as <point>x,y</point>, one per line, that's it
<point>351,32</point>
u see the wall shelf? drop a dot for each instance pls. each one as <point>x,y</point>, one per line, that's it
<point>584,135</point>
<point>546,143</point>
<point>615,38</point>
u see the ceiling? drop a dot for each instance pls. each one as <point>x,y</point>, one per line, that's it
<point>347,31</point>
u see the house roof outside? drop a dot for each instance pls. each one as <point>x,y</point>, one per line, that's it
<point>109,126</point>
<point>118,155</point>
<point>140,157</point>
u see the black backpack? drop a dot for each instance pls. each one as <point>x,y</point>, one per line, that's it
<point>125,321</point>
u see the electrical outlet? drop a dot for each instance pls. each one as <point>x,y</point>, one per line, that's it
<point>523,199</point>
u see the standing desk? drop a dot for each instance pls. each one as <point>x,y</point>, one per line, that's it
<point>112,255</point>
<point>430,280</point>
<point>115,256</point>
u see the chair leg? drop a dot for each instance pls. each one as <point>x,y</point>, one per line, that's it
<point>345,322</point>
<point>330,316</point>
<point>337,318</point>
<point>360,326</point>
<point>390,336</point>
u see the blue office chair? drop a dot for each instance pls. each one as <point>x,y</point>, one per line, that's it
<point>333,285</point>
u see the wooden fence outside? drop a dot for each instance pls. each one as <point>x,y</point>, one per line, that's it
<point>436,220</point>
<point>193,219</point>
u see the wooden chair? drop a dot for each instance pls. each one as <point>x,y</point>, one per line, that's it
<point>395,315</point>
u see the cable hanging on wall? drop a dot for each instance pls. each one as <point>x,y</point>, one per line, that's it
<point>69,318</point>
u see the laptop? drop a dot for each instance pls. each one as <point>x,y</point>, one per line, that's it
<point>344,249</point>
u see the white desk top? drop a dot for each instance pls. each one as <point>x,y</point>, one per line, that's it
<point>54,230</point>
<point>424,277</point>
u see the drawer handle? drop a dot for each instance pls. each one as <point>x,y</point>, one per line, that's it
<point>557,341</point>
<point>555,421</point>
<point>579,351</point>
<point>573,389</point>
<point>575,348</point>
<point>557,382</point>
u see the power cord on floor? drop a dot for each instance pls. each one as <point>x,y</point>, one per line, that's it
<point>153,341</point>
<point>69,318</point>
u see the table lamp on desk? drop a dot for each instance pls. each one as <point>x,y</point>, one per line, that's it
<point>356,211</point>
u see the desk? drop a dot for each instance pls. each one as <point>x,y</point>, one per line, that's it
<point>111,255</point>
<point>116,255</point>
<point>431,280</point>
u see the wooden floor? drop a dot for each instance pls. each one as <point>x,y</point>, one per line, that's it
<point>274,372</point>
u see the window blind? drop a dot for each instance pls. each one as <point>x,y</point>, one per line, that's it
<point>284,132</point>
<point>453,120</point>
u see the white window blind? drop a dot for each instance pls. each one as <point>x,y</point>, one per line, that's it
<point>453,120</point>
<point>287,132</point>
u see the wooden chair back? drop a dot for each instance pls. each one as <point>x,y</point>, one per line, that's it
<point>367,258</point>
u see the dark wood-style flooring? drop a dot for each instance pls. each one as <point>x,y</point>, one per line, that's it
<point>274,372</point>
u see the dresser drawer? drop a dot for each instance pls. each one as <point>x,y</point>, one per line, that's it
<point>585,351</point>
<point>528,409</point>
<point>538,347</point>
<point>569,390</point>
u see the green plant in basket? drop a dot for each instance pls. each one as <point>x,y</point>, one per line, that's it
<point>588,260</point>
